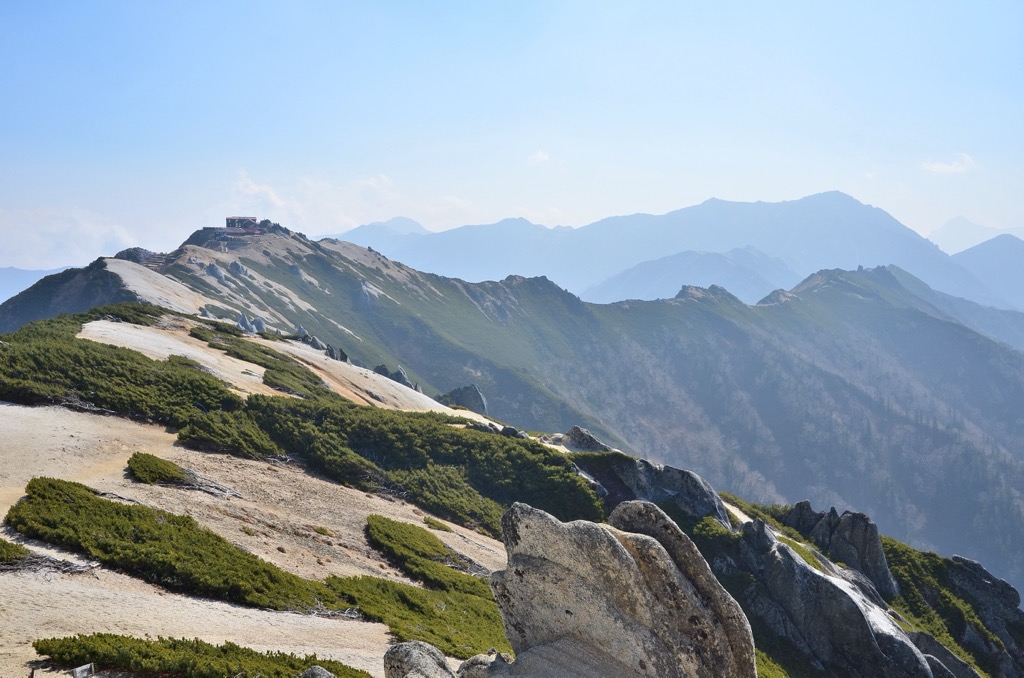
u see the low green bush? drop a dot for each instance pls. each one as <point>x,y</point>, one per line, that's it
<point>152,470</point>
<point>423,556</point>
<point>435,524</point>
<point>167,657</point>
<point>9,551</point>
<point>169,550</point>
<point>459,624</point>
<point>43,363</point>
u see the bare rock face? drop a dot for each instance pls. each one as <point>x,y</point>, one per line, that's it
<point>623,478</point>
<point>826,617</point>
<point>642,604</point>
<point>469,397</point>
<point>997,604</point>
<point>582,439</point>
<point>687,490</point>
<point>851,538</point>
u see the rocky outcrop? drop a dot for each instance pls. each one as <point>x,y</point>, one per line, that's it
<point>997,605</point>
<point>415,659</point>
<point>583,440</point>
<point>648,600</point>
<point>952,664</point>
<point>398,375</point>
<point>215,271</point>
<point>623,478</point>
<point>237,269</point>
<point>850,538</point>
<point>316,672</point>
<point>336,354</point>
<point>840,630</point>
<point>582,600</point>
<point>469,397</point>
<point>137,255</point>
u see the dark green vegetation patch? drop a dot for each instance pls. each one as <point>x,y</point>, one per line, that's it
<point>465,476</point>
<point>462,475</point>
<point>43,363</point>
<point>9,552</point>
<point>173,551</point>
<point>435,524</point>
<point>169,550</point>
<point>423,556</point>
<point>169,657</point>
<point>152,470</point>
<point>457,612</point>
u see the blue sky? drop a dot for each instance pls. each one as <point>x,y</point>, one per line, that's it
<point>133,123</point>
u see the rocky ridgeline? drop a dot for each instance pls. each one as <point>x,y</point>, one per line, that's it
<point>636,597</point>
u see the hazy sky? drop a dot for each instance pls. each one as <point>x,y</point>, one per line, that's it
<point>134,123</point>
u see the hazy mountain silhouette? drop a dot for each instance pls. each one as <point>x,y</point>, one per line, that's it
<point>746,272</point>
<point>960,233</point>
<point>998,263</point>
<point>828,230</point>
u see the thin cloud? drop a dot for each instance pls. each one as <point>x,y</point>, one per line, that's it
<point>962,163</point>
<point>49,238</point>
<point>539,157</point>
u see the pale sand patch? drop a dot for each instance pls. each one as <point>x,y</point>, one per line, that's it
<point>156,288</point>
<point>34,605</point>
<point>280,505</point>
<point>362,385</point>
<point>159,343</point>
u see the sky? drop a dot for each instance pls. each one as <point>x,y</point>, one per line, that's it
<point>135,123</point>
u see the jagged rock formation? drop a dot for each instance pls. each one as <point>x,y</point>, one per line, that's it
<point>623,478</point>
<point>237,269</point>
<point>937,653</point>
<point>139,255</point>
<point>336,354</point>
<point>581,599</point>
<point>851,538</point>
<point>398,375</point>
<point>581,439</point>
<point>997,604</point>
<point>469,397</point>
<point>824,617</point>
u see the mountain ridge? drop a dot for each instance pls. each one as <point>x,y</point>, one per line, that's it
<point>826,230</point>
<point>775,401</point>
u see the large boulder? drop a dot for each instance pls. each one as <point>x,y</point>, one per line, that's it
<point>583,440</point>
<point>645,604</point>
<point>415,659</point>
<point>469,397</point>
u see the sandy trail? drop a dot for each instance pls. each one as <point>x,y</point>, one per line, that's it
<point>302,523</point>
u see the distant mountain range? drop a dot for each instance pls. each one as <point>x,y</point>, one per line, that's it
<point>863,389</point>
<point>648,256</point>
